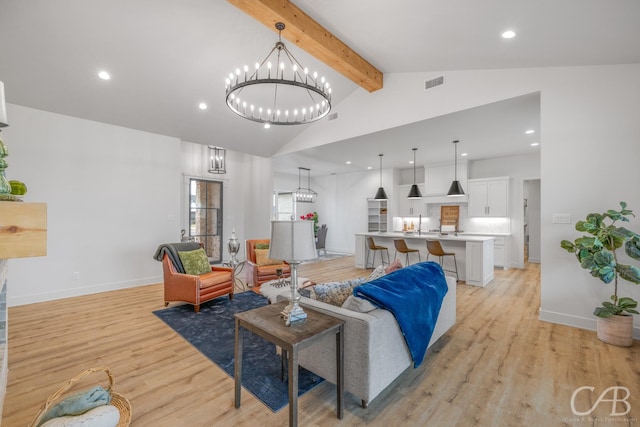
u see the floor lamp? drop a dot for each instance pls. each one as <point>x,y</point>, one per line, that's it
<point>294,242</point>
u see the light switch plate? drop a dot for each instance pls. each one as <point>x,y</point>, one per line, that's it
<point>561,218</point>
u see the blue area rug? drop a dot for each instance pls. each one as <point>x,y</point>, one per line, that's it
<point>212,331</point>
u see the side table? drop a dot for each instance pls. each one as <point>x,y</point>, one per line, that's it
<point>267,323</point>
<point>237,269</point>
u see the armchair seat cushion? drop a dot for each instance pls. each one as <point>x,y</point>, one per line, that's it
<point>213,278</point>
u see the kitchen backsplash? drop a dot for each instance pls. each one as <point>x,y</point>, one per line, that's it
<point>470,225</point>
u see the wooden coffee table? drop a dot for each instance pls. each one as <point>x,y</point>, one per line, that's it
<point>267,323</point>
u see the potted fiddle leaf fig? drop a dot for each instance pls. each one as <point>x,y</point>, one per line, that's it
<point>597,252</point>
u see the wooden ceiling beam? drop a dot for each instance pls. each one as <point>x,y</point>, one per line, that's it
<point>309,35</point>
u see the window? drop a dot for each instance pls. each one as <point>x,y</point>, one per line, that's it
<point>283,206</point>
<point>205,216</point>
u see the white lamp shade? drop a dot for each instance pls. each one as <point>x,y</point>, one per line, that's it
<point>292,241</point>
<point>3,108</point>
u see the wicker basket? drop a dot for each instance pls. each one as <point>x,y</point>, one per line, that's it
<point>117,400</point>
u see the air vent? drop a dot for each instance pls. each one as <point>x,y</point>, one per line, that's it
<point>434,82</point>
<point>332,116</point>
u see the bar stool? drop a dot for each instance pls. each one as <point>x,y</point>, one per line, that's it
<point>435,248</point>
<point>401,246</point>
<point>374,247</point>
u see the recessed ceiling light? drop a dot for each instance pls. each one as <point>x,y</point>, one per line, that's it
<point>202,106</point>
<point>267,125</point>
<point>410,162</point>
<point>508,34</point>
<point>348,162</point>
<point>535,144</point>
<point>464,154</point>
<point>530,131</point>
<point>104,75</point>
<point>369,167</point>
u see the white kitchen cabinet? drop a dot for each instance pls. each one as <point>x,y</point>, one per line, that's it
<point>479,262</point>
<point>377,215</point>
<point>439,178</point>
<point>500,251</point>
<point>488,197</point>
<point>409,207</point>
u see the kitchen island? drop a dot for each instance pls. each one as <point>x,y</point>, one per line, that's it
<point>474,253</point>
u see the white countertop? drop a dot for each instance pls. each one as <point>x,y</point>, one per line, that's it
<point>461,237</point>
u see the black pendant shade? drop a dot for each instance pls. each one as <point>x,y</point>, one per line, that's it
<point>381,194</point>
<point>414,192</point>
<point>456,188</point>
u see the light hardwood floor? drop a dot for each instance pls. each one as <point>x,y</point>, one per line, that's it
<point>498,366</point>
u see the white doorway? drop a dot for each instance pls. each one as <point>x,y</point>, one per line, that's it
<point>531,206</point>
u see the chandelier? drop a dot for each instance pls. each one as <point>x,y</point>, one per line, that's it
<point>217,160</point>
<point>279,91</point>
<point>305,195</point>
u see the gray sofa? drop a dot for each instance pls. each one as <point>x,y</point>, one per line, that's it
<point>375,351</point>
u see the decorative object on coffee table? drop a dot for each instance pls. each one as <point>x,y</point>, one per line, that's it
<point>293,241</point>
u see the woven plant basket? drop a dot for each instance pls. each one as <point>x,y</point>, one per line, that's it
<point>616,330</point>
<point>117,400</point>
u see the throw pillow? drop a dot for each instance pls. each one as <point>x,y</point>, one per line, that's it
<point>262,258</point>
<point>395,265</point>
<point>360,305</point>
<point>334,293</point>
<point>262,246</point>
<point>377,272</point>
<point>102,416</point>
<point>195,262</point>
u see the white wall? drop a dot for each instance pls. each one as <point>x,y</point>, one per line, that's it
<point>590,143</point>
<point>113,195</point>
<point>533,212</point>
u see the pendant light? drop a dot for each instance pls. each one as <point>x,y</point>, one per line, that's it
<point>305,194</point>
<point>381,194</point>
<point>456,189</point>
<point>414,193</point>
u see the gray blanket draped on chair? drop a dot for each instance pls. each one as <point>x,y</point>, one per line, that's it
<point>171,249</point>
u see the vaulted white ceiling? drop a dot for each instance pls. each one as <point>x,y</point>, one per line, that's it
<point>165,57</point>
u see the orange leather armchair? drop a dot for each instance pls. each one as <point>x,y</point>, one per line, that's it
<point>190,288</point>
<point>259,274</point>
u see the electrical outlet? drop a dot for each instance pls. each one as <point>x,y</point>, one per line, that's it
<point>76,275</point>
<point>561,218</point>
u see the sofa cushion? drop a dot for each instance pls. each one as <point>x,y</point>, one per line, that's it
<point>262,258</point>
<point>334,293</point>
<point>195,262</point>
<point>360,305</point>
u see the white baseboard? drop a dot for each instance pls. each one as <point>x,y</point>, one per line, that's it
<point>576,321</point>
<point>74,292</point>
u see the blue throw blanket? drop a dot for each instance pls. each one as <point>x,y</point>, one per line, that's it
<point>414,295</point>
